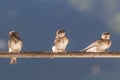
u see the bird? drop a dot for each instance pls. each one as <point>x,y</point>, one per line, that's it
<point>100,45</point>
<point>15,45</point>
<point>61,41</point>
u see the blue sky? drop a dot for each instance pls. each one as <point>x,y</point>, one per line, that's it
<point>37,21</point>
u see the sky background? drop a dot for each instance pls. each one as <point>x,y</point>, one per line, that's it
<point>37,21</point>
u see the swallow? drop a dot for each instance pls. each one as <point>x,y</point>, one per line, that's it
<point>61,41</point>
<point>15,44</point>
<point>100,45</point>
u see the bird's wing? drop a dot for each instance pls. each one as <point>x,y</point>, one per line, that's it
<point>94,44</point>
<point>55,41</point>
<point>9,43</point>
<point>21,42</point>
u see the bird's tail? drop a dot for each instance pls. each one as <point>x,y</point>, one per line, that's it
<point>13,60</point>
<point>83,50</point>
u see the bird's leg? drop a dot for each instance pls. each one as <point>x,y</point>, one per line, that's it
<point>51,56</point>
<point>64,52</point>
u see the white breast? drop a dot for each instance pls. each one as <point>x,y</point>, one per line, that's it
<point>60,46</point>
<point>15,47</point>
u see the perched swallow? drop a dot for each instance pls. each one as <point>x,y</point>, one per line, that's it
<point>60,42</point>
<point>15,44</point>
<point>101,45</point>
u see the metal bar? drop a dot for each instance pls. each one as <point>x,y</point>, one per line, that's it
<point>61,55</point>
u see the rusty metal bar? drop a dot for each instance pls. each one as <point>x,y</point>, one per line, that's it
<point>61,55</point>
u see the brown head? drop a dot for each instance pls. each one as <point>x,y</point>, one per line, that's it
<point>13,34</point>
<point>60,33</point>
<point>105,35</point>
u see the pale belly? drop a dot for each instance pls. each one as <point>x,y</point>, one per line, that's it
<point>60,47</point>
<point>15,47</point>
